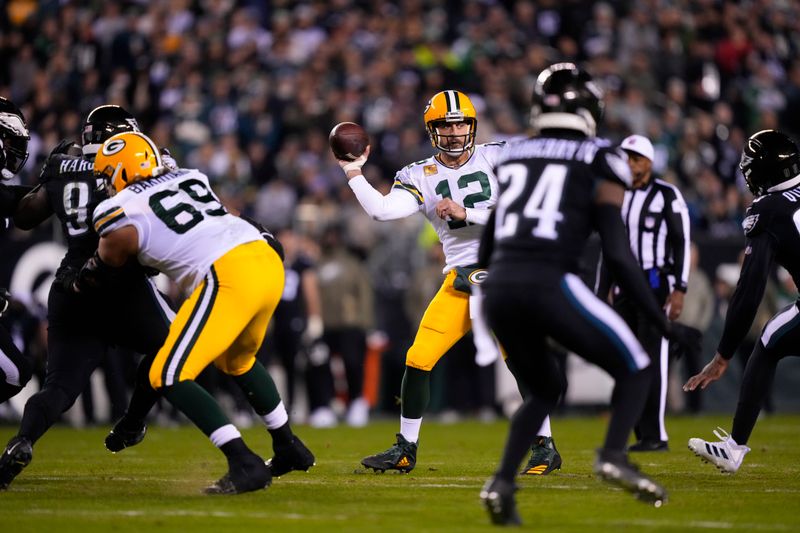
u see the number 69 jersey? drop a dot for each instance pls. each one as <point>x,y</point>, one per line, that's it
<point>546,205</point>
<point>472,185</point>
<point>183,228</point>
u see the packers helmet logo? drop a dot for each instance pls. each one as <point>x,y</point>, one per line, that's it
<point>113,147</point>
<point>478,276</point>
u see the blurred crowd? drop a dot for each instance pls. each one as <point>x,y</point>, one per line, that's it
<point>247,91</point>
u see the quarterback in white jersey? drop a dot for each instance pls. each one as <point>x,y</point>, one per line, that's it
<point>472,186</point>
<point>456,189</point>
<point>173,221</point>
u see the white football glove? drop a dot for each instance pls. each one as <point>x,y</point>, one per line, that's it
<point>314,329</point>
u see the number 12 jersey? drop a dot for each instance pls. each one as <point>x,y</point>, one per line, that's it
<point>183,228</point>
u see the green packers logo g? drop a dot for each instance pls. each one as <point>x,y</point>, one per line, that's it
<point>478,276</point>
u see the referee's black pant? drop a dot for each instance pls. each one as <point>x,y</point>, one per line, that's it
<point>650,426</point>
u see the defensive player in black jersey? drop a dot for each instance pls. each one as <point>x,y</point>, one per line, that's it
<point>15,368</point>
<point>771,166</point>
<point>81,326</point>
<point>555,188</point>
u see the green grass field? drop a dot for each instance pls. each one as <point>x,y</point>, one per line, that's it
<point>73,484</point>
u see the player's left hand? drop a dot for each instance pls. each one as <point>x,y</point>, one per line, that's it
<point>674,304</point>
<point>710,373</point>
<point>447,209</point>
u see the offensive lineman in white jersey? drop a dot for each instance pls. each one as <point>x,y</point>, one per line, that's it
<point>172,221</point>
<point>456,189</point>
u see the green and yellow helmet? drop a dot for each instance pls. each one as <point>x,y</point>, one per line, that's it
<point>127,158</point>
<point>448,107</point>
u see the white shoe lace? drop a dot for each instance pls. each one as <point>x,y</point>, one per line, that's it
<point>724,436</point>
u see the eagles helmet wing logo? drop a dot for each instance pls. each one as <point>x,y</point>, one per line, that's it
<point>478,276</point>
<point>113,147</point>
<point>749,223</point>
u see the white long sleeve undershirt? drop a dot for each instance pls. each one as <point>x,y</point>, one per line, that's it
<point>397,204</point>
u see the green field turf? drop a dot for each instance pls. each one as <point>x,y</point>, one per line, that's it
<point>73,484</point>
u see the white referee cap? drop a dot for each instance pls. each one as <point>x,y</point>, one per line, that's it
<point>639,145</point>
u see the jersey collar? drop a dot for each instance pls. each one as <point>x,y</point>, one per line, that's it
<point>439,160</point>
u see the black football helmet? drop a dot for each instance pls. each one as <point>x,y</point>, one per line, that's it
<point>565,97</point>
<point>769,159</point>
<point>104,122</point>
<point>14,139</point>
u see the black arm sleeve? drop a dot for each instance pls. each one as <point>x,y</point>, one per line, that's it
<point>487,242</point>
<point>33,209</point>
<point>617,254</point>
<point>747,296</point>
<point>678,235</point>
<point>10,195</point>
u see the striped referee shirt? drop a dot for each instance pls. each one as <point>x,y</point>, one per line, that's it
<point>657,221</point>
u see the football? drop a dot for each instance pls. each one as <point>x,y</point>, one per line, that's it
<point>348,141</point>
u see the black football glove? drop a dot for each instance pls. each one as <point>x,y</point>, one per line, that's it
<point>66,278</point>
<point>66,146</point>
<point>96,274</point>
<point>685,339</point>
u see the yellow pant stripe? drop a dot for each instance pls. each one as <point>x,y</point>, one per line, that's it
<point>188,335</point>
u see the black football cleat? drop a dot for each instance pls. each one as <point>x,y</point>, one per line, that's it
<point>294,456</point>
<point>614,467</point>
<point>15,457</point>
<point>544,458</point>
<point>125,434</point>
<point>401,456</point>
<point>244,475</point>
<point>498,498</point>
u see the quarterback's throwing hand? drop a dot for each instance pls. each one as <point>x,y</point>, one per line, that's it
<point>353,168</point>
<point>447,209</point>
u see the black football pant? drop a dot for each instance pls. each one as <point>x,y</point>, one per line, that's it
<point>779,338</point>
<point>523,315</point>
<point>284,342</point>
<point>650,426</point>
<point>15,368</point>
<point>349,343</point>
<point>81,327</point>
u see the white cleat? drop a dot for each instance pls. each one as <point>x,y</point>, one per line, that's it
<point>725,454</point>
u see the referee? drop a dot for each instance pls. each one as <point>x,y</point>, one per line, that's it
<point>657,220</point>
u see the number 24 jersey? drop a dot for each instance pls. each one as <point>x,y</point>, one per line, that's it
<point>183,228</point>
<point>545,211</point>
